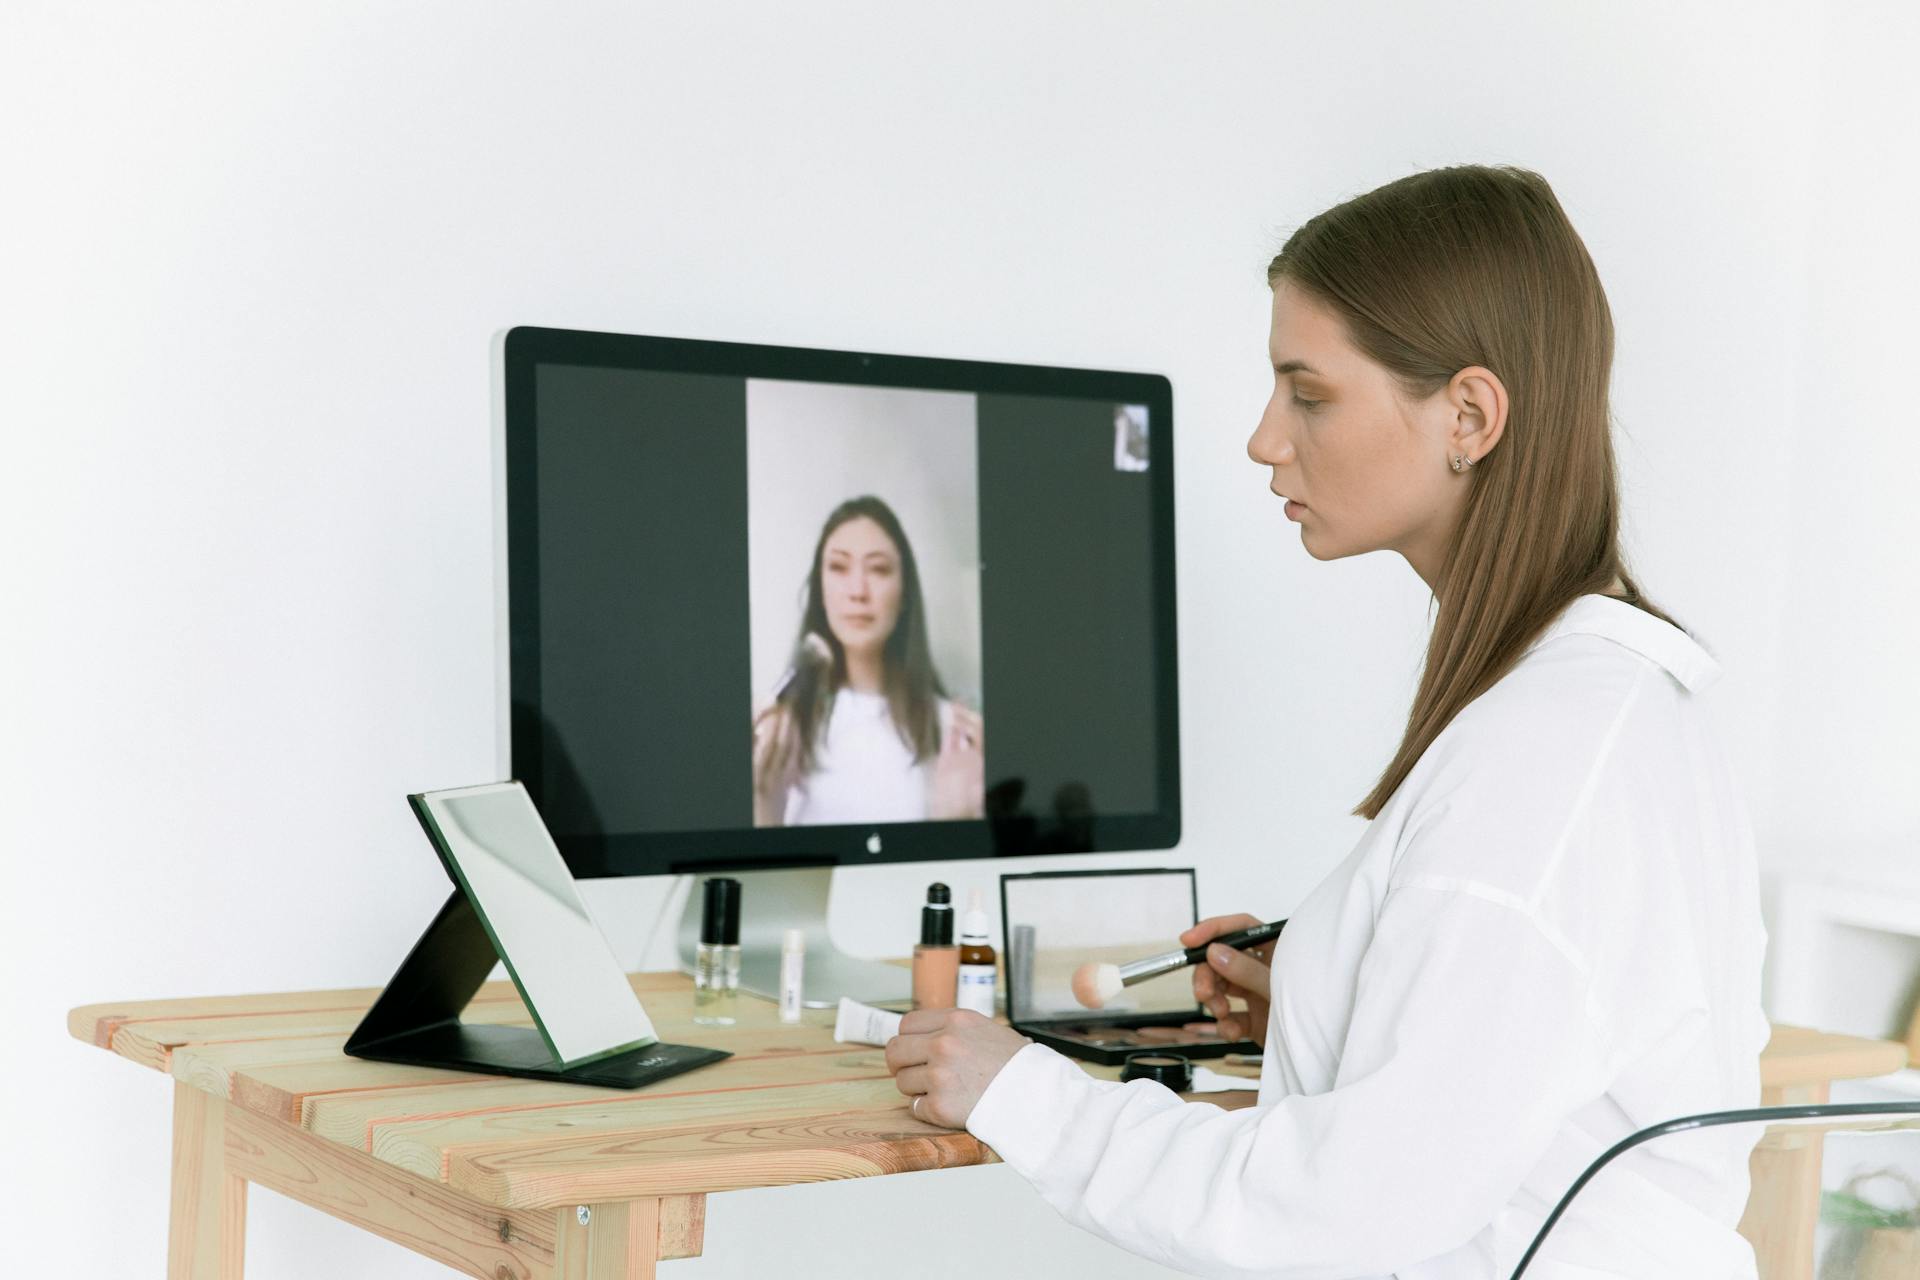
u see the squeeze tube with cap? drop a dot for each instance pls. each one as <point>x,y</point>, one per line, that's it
<point>936,961</point>
<point>716,962</point>
<point>863,1024</point>
<point>793,954</point>
<point>976,960</point>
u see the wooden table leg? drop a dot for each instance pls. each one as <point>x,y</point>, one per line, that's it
<point>619,1241</point>
<point>1783,1207</point>
<point>207,1225</point>
<point>476,1239</point>
<point>219,1148</point>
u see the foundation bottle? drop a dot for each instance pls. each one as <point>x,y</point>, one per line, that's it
<point>936,961</point>
<point>976,960</point>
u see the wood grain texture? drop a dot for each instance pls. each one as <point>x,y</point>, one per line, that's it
<point>791,1106</point>
<point>1801,1055</point>
<point>683,1226</point>
<point>1782,1209</point>
<point>421,1140</point>
<point>473,1238</point>
<point>616,1242</point>
<point>1783,1203</point>
<point>95,1023</point>
<point>276,1078</point>
<point>715,1158</point>
<point>207,1221</point>
<point>279,1058</point>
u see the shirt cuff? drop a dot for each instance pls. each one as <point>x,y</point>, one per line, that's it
<point>1026,1106</point>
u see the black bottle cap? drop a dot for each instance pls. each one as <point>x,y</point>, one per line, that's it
<point>720,912</point>
<point>936,918</point>
<point>1170,1069</point>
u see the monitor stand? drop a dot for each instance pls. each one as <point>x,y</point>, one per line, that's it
<point>771,902</point>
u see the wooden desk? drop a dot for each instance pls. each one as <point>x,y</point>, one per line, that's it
<point>519,1179</point>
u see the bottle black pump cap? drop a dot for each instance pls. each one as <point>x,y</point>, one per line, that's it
<point>936,918</point>
<point>720,912</point>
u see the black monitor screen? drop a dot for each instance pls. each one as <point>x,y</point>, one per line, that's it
<point>772,606</point>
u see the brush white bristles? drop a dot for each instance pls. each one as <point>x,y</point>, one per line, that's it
<point>1094,984</point>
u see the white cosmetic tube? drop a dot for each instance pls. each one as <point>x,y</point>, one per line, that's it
<point>863,1024</point>
<point>793,956</point>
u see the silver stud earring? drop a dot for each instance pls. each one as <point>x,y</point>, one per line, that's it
<point>1461,462</point>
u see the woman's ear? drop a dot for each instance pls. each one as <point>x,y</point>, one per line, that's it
<point>1479,402</point>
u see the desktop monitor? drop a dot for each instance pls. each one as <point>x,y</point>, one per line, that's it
<point>773,608</point>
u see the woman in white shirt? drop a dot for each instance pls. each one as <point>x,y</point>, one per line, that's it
<point>861,730</point>
<point>1549,934</point>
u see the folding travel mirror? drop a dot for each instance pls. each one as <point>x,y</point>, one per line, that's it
<point>516,901</point>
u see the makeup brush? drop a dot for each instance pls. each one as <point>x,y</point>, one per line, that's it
<point>1094,984</point>
<point>812,652</point>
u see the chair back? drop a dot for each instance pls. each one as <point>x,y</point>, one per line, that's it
<point>1833,1193</point>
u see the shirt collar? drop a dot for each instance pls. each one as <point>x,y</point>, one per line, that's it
<point>1639,631</point>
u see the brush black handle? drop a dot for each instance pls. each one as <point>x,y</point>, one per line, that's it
<point>1179,958</point>
<point>1242,939</point>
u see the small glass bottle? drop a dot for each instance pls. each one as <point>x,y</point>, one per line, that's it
<point>977,969</point>
<point>936,961</point>
<point>716,962</point>
<point>793,955</point>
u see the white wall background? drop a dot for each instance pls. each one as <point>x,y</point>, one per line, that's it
<point>251,255</point>
<point>812,446</point>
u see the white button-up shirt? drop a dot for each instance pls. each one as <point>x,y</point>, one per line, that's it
<point>1548,938</point>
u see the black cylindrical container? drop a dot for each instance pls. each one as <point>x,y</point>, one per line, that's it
<point>936,918</point>
<point>720,912</point>
<point>1170,1069</point>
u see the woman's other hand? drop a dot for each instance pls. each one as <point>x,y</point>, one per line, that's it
<point>773,751</point>
<point>944,1059</point>
<point>1230,971</point>
<point>959,787</point>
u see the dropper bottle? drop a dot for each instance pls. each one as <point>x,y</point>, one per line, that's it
<point>976,959</point>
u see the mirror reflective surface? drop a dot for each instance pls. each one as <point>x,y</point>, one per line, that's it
<point>1056,924</point>
<point>503,855</point>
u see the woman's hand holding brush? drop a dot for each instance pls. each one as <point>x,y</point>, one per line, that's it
<point>1230,972</point>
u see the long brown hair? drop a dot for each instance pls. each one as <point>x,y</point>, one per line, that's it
<point>1478,265</point>
<point>913,687</point>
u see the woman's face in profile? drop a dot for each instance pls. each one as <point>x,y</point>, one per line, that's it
<point>860,584</point>
<point>1367,471</point>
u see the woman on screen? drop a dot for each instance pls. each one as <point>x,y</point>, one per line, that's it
<point>860,728</point>
<point>1548,937</point>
